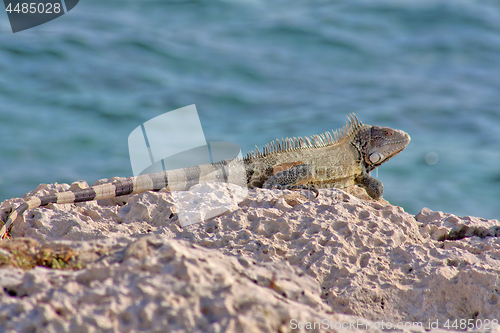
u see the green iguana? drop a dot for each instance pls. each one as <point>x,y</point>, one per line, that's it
<point>344,159</point>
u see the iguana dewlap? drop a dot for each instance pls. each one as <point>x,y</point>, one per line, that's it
<point>341,160</point>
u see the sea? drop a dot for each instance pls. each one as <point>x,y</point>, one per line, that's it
<point>73,89</point>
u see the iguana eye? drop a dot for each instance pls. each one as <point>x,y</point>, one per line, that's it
<point>376,157</point>
<point>387,133</point>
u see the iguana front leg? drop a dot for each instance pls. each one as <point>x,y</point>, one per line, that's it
<point>373,186</point>
<point>293,178</point>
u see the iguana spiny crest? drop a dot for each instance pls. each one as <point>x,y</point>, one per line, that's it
<point>338,159</point>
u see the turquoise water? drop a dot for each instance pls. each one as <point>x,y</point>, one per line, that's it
<point>73,89</point>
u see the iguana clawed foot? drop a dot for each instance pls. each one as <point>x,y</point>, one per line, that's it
<point>373,186</point>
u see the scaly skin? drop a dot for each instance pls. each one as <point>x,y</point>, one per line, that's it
<point>347,161</point>
<point>319,162</point>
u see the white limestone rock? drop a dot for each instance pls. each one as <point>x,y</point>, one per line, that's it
<point>272,257</point>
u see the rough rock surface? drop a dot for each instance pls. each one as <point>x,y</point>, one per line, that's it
<point>273,258</point>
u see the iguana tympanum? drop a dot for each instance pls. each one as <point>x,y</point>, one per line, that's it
<point>344,159</point>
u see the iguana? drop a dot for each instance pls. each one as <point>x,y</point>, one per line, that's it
<point>344,159</point>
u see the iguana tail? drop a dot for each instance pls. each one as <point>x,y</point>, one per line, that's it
<point>154,181</point>
<point>175,180</point>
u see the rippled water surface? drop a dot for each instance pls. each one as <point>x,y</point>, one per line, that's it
<point>73,89</point>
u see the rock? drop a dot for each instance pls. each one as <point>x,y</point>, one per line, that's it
<point>443,226</point>
<point>169,285</point>
<point>275,261</point>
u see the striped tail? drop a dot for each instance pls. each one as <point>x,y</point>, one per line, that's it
<point>173,180</point>
<point>154,182</point>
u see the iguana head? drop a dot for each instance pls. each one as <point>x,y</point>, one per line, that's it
<point>379,144</point>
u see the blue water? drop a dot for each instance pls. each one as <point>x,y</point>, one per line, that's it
<point>73,89</point>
